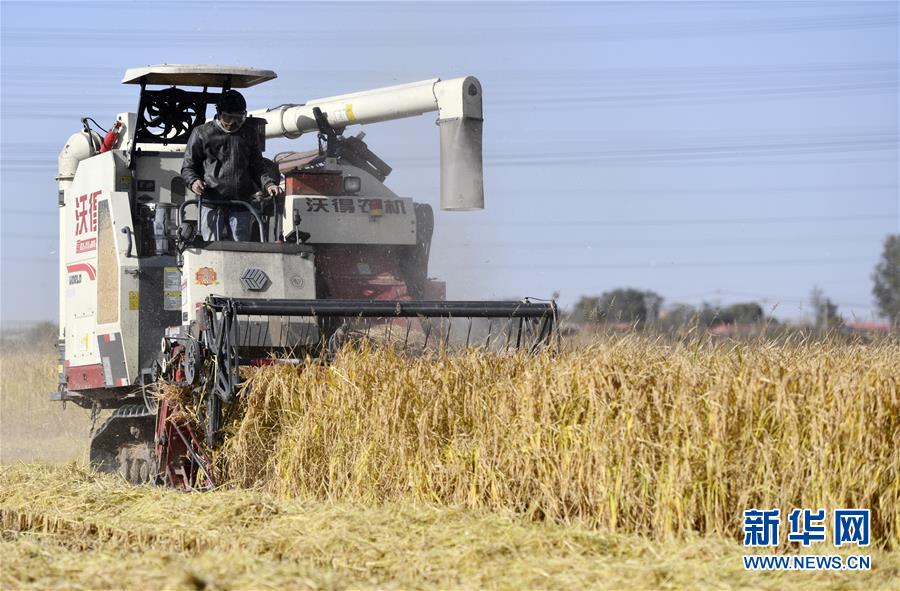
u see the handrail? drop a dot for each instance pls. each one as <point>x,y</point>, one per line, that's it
<point>218,203</point>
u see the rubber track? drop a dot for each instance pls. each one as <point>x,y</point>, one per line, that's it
<point>128,411</point>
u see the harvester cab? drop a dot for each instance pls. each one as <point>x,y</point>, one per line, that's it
<point>145,301</point>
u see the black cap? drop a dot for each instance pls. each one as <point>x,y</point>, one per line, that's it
<point>231,101</point>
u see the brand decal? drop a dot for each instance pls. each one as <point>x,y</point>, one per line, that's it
<point>255,279</point>
<point>82,268</point>
<point>85,208</point>
<point>205,276</point>
<point>86,213</point>
<point>86,245</point>
<point>372,207</point>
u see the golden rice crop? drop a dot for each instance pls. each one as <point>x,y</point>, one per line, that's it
<point>65,528</point>
<point>628,435</point>
<point>31,426</point>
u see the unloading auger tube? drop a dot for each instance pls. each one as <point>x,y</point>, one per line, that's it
<point>460,119</point>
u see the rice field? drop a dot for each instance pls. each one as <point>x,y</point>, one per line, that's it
<point>630,436</point>
<point>64,528</point>
<point>625,463</point>
<point>32,428</point>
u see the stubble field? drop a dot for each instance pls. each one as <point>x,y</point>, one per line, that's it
<point>626,463</point>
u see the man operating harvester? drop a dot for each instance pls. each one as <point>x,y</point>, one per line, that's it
<point>223,162</point>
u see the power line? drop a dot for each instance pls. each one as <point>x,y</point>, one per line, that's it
<point>601,191</point>
<point>725,146</point>
<point>513,33</point>
<point>680,222</point>
<point>31,259</point>
<point>689,74</point>
<point>666,243</point>
<point>565,80</point>
<point>702,95</point>
<point>27,212</point>
<point>745,151</point>
<point>585,74</point>
<point>709,152</point>
<point>764,298</point>
<point>667,265</point>
<point>570,97</point>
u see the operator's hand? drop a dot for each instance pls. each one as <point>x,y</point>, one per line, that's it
<point>198,187</point>
<point>275,191</point>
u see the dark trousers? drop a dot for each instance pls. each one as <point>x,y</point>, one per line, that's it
<point>222,223</point>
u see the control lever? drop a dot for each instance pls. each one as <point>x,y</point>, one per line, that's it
<point>327,133</point>
<point>297,235</point>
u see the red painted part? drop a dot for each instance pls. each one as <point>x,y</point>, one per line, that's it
<point>175,459</point>
<point>111,138</point>
<point>435,290</point>
<point>296,161</point>
<point>361,274</point>
<point>87,268</point>
<point>178,361</point>
<point>85,377</point>
<point>314,183</point>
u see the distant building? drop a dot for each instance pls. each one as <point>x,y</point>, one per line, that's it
<point>867,327</point>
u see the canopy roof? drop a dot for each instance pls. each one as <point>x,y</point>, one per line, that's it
<point>198,75</point>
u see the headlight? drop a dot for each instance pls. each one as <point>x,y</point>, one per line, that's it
<point>352,185</point>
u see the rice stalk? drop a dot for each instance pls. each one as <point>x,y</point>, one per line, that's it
<point>629,435</point>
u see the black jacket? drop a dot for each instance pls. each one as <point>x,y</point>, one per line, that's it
<point>231,164</point>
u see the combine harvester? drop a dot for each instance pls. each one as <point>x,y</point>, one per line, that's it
<point>144,301</point>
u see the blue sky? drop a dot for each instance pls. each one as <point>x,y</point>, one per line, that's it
<point>709,151</point>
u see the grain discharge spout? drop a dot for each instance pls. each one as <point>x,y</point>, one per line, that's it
<point>460,120</point>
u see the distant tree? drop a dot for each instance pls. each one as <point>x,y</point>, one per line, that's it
<point>42,335</point>
<point>744,313</point>
<point>585,310</point>
<point>740,313</point>
<point>680,315</point>
<point>710,315</point>
<point>653,303</point>
<point>886,280</point>
<point>620,305</point>
<point>825,310</point>
<point>630,305</point>
<point>37,337</point>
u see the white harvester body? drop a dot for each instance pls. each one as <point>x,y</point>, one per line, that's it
<point>115,293</point>
<point>145,299</point>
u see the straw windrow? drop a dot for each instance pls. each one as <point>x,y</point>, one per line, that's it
<point>66,528</point>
